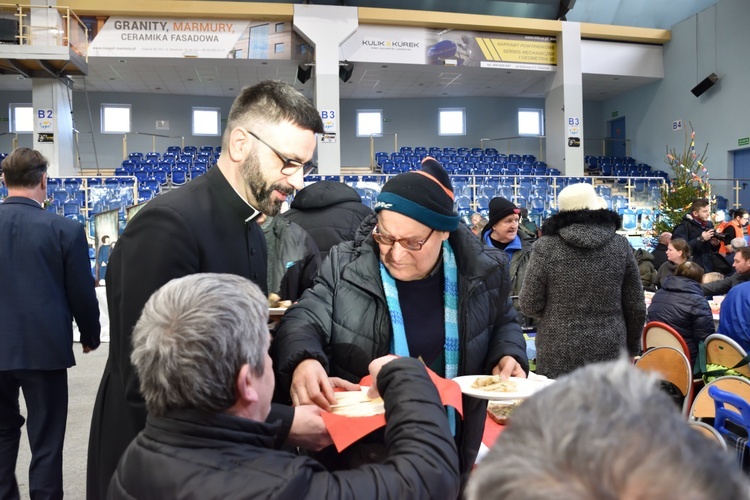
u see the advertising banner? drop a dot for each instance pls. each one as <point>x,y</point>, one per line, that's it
<point>407,45</point>
<point>209,39</point>
<point>153,37</point>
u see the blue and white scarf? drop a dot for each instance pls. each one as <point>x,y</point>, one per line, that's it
<point>399,344</point>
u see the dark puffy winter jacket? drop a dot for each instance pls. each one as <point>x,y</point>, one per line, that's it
<point>344,323</point>
<point>680,304</point>
<point>330,211</point>
<point>192,455</point>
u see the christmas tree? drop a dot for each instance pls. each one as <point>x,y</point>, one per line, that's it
<point>689,180</point>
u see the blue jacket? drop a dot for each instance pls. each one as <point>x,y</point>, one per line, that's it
<point>45,282</point>
<point>735,321</point>
<point>680,304</point>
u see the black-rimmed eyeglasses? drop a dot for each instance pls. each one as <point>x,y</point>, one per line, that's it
<point>409,243</point>
<point>290,166</point>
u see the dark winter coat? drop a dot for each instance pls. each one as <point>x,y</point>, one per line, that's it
<point>344,323</point>
<point>293,258</point>
<point>519,251</point>
<point>690,230</point>
<point>583,284</point>
<point>680,304</point>
<point>188,454</point>
<point>722,286</point>
<point>646,269</point>
<point>330,211</point>
<point>660,255</point>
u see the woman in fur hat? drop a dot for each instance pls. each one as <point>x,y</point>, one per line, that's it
<point>583,284</point>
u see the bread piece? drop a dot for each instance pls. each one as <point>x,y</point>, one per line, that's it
<point>500,412</point>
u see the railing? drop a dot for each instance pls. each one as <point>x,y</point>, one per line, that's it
<point>42,25</point>
<point>624,192</point>
<point>731,190</point>
<point>604,147</point>
<point>153,141</point>
<point>518,138</point>
<point>373,163</point>
<point>14,141</point>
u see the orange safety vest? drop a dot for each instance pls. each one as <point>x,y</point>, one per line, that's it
<point>738,233</point>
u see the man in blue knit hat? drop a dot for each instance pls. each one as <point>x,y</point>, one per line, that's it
<point>414,282</point>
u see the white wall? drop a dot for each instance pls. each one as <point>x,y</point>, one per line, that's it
<point>416,123</point>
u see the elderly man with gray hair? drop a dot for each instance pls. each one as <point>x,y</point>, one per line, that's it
<point>733,246</point>
<point>200,349</point>
<point>605,431</point>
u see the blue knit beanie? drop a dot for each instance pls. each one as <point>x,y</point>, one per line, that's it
<point>424,195</point>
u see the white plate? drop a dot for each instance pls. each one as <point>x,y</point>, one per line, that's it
<point>525,388</point>
<point>276,311</point>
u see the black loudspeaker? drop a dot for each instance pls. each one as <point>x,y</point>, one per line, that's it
<point>303,74</point>
<point>8,31</point>
<point>705,84</point>
<point>345,72</point>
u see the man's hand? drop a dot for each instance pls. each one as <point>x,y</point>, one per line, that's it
<point>87,349</point>
<point>375,366</point>
<point>310,385</point>
<point>308,430</point>
<point>707,234</point>
<point>508,367</point>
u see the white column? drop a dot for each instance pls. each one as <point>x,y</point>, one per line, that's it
<point>326,28</point>
<point>53,121</point>
<point>564,105</point>
<point>53,125</point>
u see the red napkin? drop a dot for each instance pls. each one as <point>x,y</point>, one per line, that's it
<point>347,430</point>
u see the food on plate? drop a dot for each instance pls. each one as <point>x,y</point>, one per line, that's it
<point>275,301</point>
<point>494,383</point>
<point>500,412</point>
<point>356,404</point>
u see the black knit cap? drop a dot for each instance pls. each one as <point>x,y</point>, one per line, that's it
<point>424,195</point>
<point>500,208</point>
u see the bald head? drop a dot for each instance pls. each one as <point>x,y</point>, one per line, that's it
<point>665,238</point>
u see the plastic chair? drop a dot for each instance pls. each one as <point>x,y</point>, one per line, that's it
<point>732,421</point>
<point>739,416</point>
<point>658,334</point>
<point>724,351</point>
<point>673,366</point>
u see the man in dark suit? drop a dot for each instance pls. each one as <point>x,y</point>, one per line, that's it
<point>45,283</point>
<point>208,225</point>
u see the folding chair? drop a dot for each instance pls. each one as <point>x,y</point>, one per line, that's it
<point>709,432</point>
<point>671,365</point>
<point>703,407</point>
<point>657,334</point>
<point>724,351</point>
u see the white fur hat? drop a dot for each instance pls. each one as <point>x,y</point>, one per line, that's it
<point>580,197</point>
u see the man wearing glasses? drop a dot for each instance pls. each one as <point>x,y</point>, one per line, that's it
<point>414,282</point>
<point>208,225</point>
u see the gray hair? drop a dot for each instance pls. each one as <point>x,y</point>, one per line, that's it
<point>738,243</point>
<point>604,432</point>
<point>271,102</point>
<point>194,335</point>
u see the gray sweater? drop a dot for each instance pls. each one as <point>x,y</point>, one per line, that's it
<point>583,284</point>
